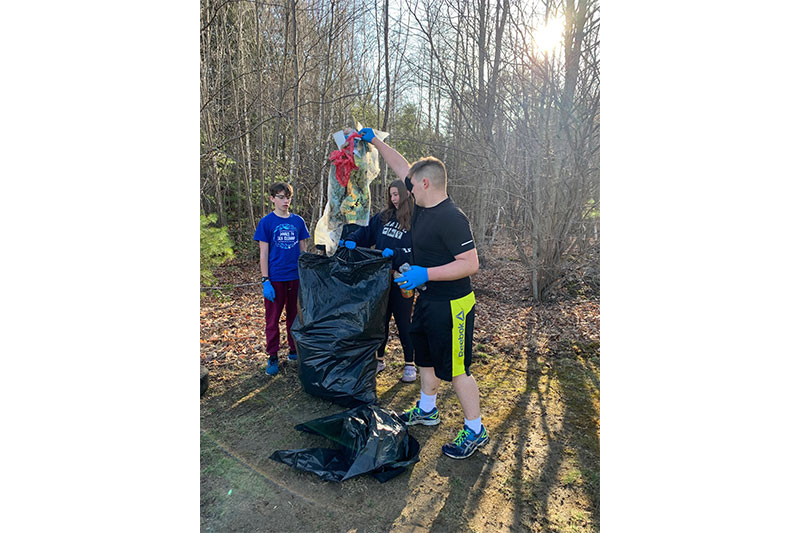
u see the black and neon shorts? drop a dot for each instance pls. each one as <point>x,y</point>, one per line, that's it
<point>441,331</point>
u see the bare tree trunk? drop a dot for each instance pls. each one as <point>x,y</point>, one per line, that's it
<point>386,66</point>
<point>261,145</point>
<point>573,41</point>
<point>276,134</point>
<point>295,96</point>
<point>323,129</point>
<point>206,114</point>
<point>248,166</point>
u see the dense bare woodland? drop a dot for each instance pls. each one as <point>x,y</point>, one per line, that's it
<point>515,115</point>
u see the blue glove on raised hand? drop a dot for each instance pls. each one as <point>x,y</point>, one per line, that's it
<point>350,245</point>
<point>413,278</point>
<point>269,292</point>
<point>387,252</point>
<point>366,134</point>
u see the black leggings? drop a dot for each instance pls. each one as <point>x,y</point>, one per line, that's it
<point>401,309</point>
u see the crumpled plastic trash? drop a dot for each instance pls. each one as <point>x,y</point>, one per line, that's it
<point>370,440</point>
<point>349,204</point>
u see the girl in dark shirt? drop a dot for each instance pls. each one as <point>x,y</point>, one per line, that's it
<point>390,231</point>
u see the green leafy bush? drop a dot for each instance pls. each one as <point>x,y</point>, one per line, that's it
<point>216,247</point>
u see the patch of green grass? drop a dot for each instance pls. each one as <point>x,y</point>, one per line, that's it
<point>480,357</point>
<point>591,479</point>
<point>216,295</point>
<point>575,349</point>
<point>571,477</point>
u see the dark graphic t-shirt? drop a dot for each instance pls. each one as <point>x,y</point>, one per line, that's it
<point>388,235</point>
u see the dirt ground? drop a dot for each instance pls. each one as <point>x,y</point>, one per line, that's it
<point>538,371</point>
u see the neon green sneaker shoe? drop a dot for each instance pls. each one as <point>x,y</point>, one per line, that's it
<point>415,416</point>
<point>465,443</point>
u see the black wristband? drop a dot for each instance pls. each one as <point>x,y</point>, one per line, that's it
<point>264,278</point>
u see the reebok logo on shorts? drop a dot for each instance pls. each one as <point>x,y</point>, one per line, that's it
<point>460,319</point>
<point>459,309</point>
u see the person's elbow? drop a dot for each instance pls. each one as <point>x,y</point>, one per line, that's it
<point>474,265</point>
<point>470,262</point>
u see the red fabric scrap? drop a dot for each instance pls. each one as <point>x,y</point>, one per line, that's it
<point>344,161</point>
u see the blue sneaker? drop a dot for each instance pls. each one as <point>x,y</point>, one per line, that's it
<point>465,443</point>
<point>292,356</point>
<point>415,415</point>
<point>272,367</point>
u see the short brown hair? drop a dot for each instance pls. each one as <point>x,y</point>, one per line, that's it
<point>431,168</point>
<point>280,187</point>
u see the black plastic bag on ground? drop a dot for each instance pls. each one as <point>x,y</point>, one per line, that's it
<point>371,440</point>
<point>339,325</point>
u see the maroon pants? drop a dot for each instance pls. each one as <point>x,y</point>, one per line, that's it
<point>285,296</point>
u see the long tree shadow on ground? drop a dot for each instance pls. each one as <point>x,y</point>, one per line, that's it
<point>571,381</point>
<point>557,406</point>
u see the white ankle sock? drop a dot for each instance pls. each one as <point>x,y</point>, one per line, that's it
<point>474,425</point>
<point>427,403</point>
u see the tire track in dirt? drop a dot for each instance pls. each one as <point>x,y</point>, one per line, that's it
<point>227,450</point>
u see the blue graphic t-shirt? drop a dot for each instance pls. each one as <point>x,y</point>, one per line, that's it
<point>283,236</point>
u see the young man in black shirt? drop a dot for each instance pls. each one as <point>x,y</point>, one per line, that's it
<point>444,257</point>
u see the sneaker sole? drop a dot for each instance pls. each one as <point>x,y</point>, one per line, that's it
<point>475,449</point>
<point>424,422</point>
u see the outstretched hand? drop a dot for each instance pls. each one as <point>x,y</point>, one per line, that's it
<point>366,134</point>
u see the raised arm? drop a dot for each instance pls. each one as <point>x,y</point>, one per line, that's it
<point>393,158</point>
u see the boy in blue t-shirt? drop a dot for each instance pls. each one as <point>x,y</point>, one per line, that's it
<point>281,237</point>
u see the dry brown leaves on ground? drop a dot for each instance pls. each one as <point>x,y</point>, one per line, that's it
<point>506,318</point>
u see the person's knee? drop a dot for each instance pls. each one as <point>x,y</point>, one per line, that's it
<point>463,379</point>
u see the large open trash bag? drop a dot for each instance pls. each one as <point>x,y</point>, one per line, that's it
<point>339,325</point>
<point>371,440</point>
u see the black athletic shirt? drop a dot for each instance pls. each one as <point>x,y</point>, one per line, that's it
<point>438,234</point>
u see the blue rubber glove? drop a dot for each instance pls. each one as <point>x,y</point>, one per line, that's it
<point>350,245</point>
<point>366,134</point>
<point>387,252</point>
<point>412,278</point>
<point>269,292</point>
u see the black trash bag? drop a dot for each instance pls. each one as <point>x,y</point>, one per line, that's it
<point>371,440</point>
<point>340,321</point>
